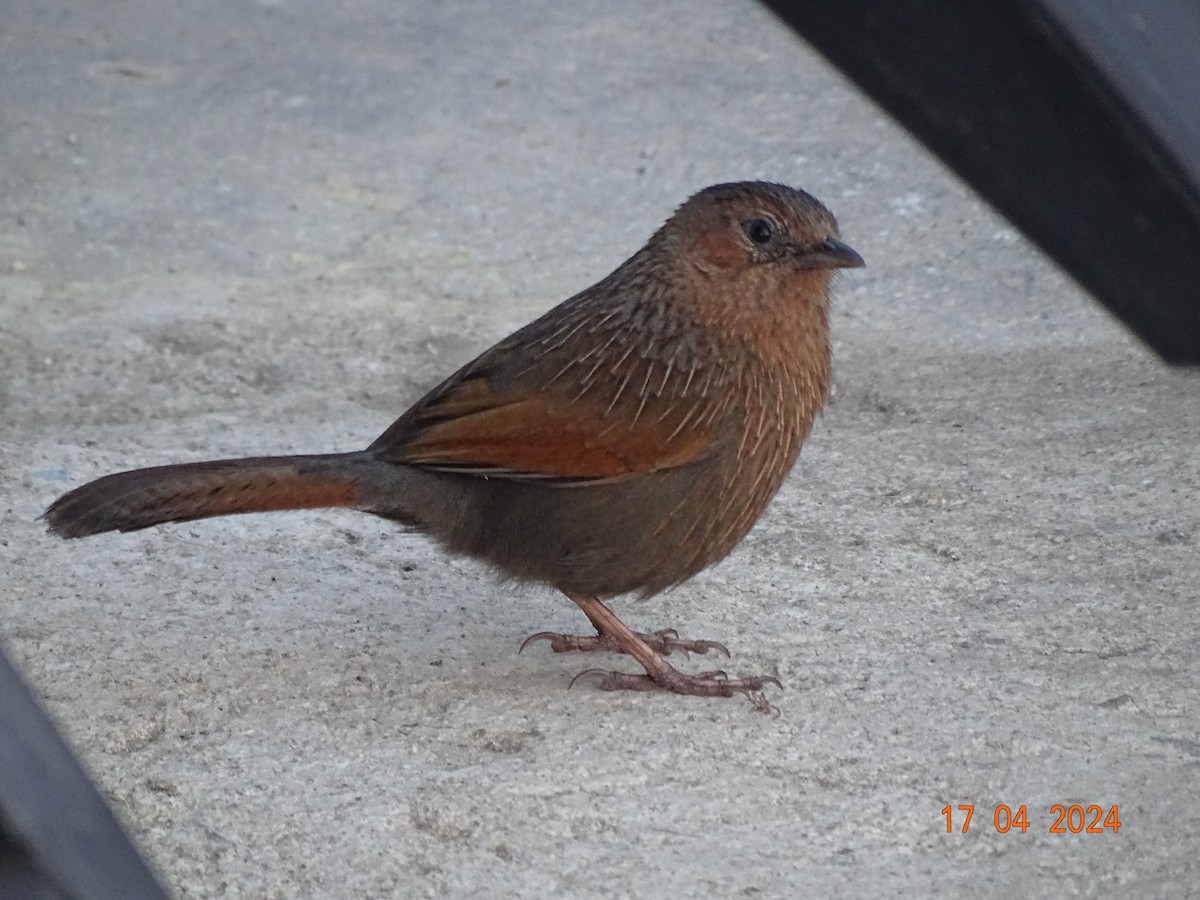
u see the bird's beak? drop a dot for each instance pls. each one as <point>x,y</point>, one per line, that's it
<point>832,254</point>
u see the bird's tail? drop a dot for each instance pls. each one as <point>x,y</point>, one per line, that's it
<point>128,501</point>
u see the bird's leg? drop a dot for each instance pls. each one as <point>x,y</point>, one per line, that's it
<point>612,633</point>
<point>665,642</point>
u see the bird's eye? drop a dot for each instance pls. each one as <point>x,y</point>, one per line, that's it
<point>760,231</point>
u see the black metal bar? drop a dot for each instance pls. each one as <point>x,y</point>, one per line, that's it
<point>1079,120</point>
<point>58,838</point>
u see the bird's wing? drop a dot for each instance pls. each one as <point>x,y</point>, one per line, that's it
<point>469,425</point>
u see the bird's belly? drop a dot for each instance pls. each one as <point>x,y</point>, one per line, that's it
<point>641,535</point>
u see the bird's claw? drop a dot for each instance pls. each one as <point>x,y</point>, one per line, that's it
<point>706,684</point>
<point>665,642</point>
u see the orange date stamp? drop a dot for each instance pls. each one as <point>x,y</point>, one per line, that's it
<point>1061,819</point>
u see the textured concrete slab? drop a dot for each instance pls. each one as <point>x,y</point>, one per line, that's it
<point>229,229</point>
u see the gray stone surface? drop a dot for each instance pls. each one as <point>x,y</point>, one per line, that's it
<point>237,228</point>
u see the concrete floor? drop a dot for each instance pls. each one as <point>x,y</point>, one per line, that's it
<point>239,228</point>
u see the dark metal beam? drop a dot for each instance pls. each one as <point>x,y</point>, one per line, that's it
<point>1079,120</point>
<point>58,838</point>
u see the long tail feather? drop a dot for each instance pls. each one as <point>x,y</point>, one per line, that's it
<point>128,501</point>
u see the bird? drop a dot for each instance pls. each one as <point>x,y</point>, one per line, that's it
<point>619,444</point>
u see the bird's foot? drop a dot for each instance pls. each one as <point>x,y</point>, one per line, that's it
<point>665,642</point>
<point>706,684</point>
<point>650,650</point>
